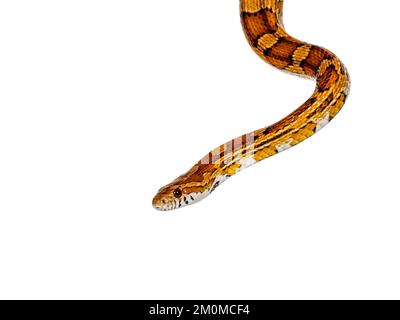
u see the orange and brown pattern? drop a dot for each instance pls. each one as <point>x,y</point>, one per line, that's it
<point>263,26</point>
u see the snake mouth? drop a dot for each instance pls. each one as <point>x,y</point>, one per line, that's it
<point>160,208</point>
<point>163,204</point>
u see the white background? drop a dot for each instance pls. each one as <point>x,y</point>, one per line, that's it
<point>104,102</point>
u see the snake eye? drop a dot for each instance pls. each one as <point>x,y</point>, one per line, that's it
<point>177,193</point>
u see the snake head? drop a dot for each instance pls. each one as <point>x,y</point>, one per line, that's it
<point>170,197</point>
<point>187,189</point>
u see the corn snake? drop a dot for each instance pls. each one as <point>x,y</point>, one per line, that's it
<point>263,27</point>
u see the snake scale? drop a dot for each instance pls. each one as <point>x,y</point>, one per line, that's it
<point>264,30</point>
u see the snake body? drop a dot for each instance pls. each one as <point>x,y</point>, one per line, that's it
<point>264,30</point>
